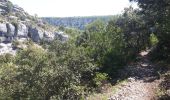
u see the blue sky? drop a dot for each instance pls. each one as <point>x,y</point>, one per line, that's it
<point>65,8</point>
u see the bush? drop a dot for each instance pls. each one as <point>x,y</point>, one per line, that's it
<point>38,74</point>
<point>100,79</point>
<point>153,39</point>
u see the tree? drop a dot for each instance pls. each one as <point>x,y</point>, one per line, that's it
<point>157,16</point>
<point>135,29</point>
<point>38,74</point>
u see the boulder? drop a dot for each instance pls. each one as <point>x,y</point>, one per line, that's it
<point>16,8</point>
<point>13,18</point>
<point>35,34</point>
<point>2,11</point>
<point>2,39</point>
<point>3,0</point>
<point>22,30</point>
<point>61,36</point>
<point>10,30</point>
<point>48,36</point>
<point>3,29</point>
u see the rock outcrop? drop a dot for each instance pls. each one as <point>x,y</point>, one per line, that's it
<point>35,34</point>
<point>3,29</point>
<point>15,23</point>
<point>22,30</point>
<point>8,32</point>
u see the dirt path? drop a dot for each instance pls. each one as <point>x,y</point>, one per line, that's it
<point>142,83</point>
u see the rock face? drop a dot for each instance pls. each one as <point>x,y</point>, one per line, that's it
<point>3,29</point>
<point>22,30</point>
<point>8,32</point>
<point>61,36</point>
<point>48,36</point>
<point>35,34</point>
<point>15,23</point>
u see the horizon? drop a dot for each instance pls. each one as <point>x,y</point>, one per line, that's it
<point>73,8</point>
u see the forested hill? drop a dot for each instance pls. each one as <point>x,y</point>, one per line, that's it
<point>75,22</point>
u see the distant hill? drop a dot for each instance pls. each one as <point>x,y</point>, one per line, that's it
<point>74,22</point>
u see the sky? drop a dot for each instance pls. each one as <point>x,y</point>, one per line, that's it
<point>69,8</point>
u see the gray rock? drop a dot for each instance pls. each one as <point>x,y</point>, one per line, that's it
<point>35,34</point>
<point>2,11</point>
<point>61,36</point>
<point>2,39</point>
<point>3,29</point>
<point>22,30</point>
<point>16,8</point>
<point>3,0</point>
<point>13,17</point>
<point>10,30</point>
<point>48,36</point>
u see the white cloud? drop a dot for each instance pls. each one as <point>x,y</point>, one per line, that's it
<point>63,8</point>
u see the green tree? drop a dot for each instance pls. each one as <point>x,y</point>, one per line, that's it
<point>134,29</point>
<point>157,16</point>
<point>39,74</point>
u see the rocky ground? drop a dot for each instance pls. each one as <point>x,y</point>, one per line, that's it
<point>7,48</point>
<point>142,83</point>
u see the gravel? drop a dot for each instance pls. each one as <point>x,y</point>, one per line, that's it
<point>142,83</point>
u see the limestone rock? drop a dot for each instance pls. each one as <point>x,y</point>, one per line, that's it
<point>48,36</point>
<point>22,30</point>
<point>13,18</point>
<point>10,30</point>
<point>3,29</point>
<point>61,36</point>
<point>35,34</point>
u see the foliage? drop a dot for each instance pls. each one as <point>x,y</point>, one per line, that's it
<point>153,39</point>
<point>134,28</point>
<point>157,16</point>
<point>100,79</point>
<point>106,45</point>
<point>37,74</point>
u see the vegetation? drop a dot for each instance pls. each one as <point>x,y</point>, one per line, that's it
<point>68,70</point>
<point>75,22</point>
<point>92,57</point>
<point>157,18</point>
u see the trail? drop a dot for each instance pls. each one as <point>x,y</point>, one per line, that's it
<point>142,83</point>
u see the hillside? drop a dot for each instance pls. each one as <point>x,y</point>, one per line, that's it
<point>123,57</point>
<point>75,22</point>
<point>18,25</point>
<point>15,22</point>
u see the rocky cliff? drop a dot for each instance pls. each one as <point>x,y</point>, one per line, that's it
<point>75,22</point>
<point>15,24</point>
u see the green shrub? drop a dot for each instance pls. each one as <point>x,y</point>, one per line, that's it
<point>153,39</point>
<point>38,74</point>
<point>100,79</point>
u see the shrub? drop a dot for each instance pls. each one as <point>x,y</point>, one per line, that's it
<point>38,74</point>
<point>153,39</point>
<point>100,79</point>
